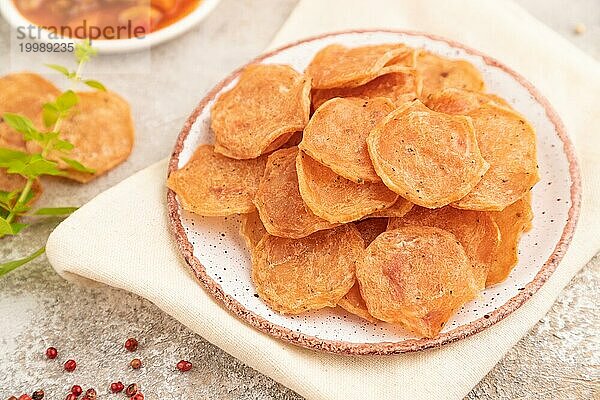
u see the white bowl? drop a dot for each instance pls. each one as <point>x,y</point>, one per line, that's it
<point>10,12</point>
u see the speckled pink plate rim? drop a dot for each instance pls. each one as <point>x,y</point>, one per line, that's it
<point>381,348</point>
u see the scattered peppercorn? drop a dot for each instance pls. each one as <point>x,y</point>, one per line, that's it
<point>131,344</point>
<point>51,353</point>
<point>90,394</point>
<point>117,387</point>
<point>138,396</point>
<point>76,390</point>
<point>70,365</point>
<point>131,390</point>
<point>580,28</point>
<point>136,363</point>
<point>184,366</point>
<point>24,397</point>
<point>71,396</point>
<point>38,395</point>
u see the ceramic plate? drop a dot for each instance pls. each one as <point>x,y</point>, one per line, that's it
<point>16,19</point>
<point>219,259</point>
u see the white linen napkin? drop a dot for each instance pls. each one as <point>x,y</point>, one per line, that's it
<point>122,238</point>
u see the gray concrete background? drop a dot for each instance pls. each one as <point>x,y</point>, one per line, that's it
<point>558,359</point>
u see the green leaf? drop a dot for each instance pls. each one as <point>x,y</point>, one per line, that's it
<point>42,167</point>
<point>35,167</point>
<point>5,227</point>
<point>16,166</point>
<point>66,101</point>
<point>11,265</point>
<point>20,124</point>
<point>84,51</point>
<point>55,211</point>
<point>50,114</point>
<point>63,145</point>
<point>7,197</point>
<point>8,156</point>
<point>95,84</point>
<point>60,69</point>
<point>77,166</point>
<point>17,227</point>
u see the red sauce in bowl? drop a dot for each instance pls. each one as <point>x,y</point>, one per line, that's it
<point>104,19</point>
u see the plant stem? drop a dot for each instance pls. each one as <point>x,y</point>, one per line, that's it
<point>78,72</point>
<point>27,189</point>
<point>20,201</point>
<point>9,266</point>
